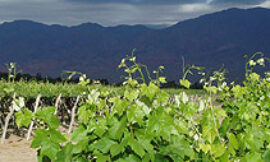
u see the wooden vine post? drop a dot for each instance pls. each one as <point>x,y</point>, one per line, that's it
<point>32,122</point>
<point>11,111</point>
<point>57,102</point>
<point>73,115</point>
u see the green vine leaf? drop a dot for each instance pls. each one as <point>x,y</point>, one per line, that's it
<point>23,117</point>
<point>185,83</point>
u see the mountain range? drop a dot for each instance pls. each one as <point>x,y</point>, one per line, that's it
<point>210,41</point>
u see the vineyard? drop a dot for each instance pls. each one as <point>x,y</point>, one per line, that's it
<point>140,121</point>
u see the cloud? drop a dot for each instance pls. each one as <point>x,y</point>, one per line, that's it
<point>139,2</point>
<point>265,4</point>
<point>114,12</point>
<point>241,2</point>
<point>193,8</point>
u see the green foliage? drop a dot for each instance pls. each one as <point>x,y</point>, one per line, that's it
<point>187,69</point>
<point>29,90</point>
<point>49,139</point>
<point>23,117</point>
<point>147,124</point>
<point>47,115</point>
<point>185,83</point>
<point>12,71</point>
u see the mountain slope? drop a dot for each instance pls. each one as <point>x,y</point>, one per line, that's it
<point>210,40</point>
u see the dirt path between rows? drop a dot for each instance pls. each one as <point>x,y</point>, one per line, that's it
<point>17,149</point>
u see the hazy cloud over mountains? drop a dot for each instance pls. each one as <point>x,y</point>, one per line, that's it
<point>142,1</point>
<point>245,2</point>
<point>172,1</point>
<point>114,12</point>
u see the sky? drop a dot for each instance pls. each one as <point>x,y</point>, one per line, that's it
<point>115,12</point>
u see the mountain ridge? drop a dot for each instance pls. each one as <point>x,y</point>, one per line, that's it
<point>209,40</point>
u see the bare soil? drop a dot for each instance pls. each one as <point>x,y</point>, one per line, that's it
<point>17,149</point>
